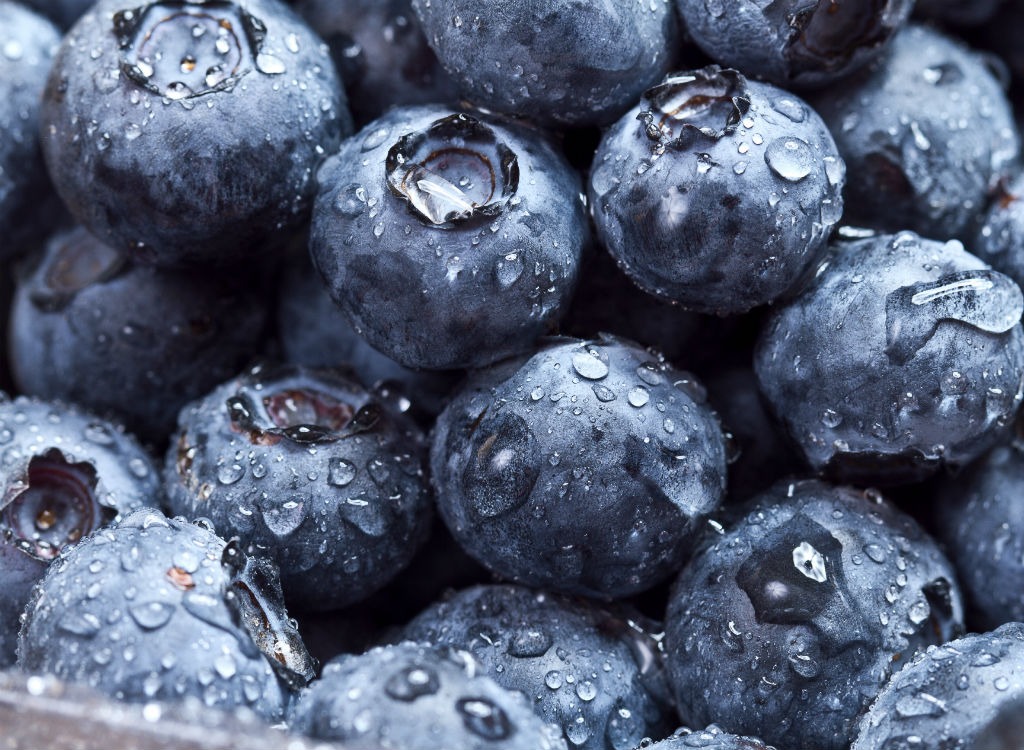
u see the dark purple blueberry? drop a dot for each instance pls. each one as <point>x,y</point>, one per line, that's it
<point>309,469</point>
<point>158,609</point>
<point>790,622</point>
<point>595,673</point>
<point>588,468</point>
<point>902,355</point>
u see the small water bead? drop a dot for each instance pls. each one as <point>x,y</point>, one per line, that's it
<point>341,472</point>
<point>638,396</point>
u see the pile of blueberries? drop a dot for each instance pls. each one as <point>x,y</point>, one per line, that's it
<point>519,374</point>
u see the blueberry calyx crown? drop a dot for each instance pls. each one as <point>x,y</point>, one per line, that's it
<point>826,36</point>
<point>54,505</point>
<point>708,103</point>
<point>453,171</point>
<point>284,406</point>
<point>181,49</point>
<point>986,300</point>
<point>79,262</point>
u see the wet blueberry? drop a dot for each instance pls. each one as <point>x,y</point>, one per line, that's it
<point>1000,241</point>
<point>63,474</point>
<point>712,738</point>
<point>588,468</point>
<point>449,239</point>
<point>901,356</point>
<point>27,46</point>
<point>927,134</point>
<point>149,126</point>
<point>125,339</point>
<point>381,53</point>
<point>950,696</point>
<point>416,697</point>
<point>560,62</point>
<point>981,522</point>
<point>794,43</point>
<point>716,192</point>
<point>158,609</point>
<point>309,469</point>
<point>789,624</point>
<point>595,673</point>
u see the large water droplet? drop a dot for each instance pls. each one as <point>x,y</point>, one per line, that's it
<point>282,520</point>
<point>151,615</point>
<point>484,719</point>
<point>529,643</point>
<point>589,365</point>
<point>341,472</point>
<point>790,158</point>
<point>983,299</point>
<point>411,683</point>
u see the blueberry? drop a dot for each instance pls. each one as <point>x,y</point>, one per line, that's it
<point>980,521</point>
<point>716,192</point>
<point>148,126</point>
<point>927,134</point>
<point>902,355</point>
<point>449,239</point>
<point>64,13</point>
<point>416,697</point>
<point>593,672</point>
<point>712,738</point>
<point>949,696</point>
<point>560,62</point>
<point>309,469</point>
<point>789,624</point>
<point>27,46</point>
<point>314,332</point>
<point>1000,241</point>
<point>64,473</point>
<point>381,53</point>
<point>588,468</point>
<point>794,43</point>
<point>150,340</point>
<point>157,609</point>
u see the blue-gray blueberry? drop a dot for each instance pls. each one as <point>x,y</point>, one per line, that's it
<point>450,239</point>
<point>588,468</point>
<point>716,192</point>
<point>790,623</point>
<point>902,355</point>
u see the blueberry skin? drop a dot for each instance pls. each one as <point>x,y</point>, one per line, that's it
<point>310,470</point>
<point>416,697</point>
<point>877,388</point>
<point>115,140</point>
<point>716,192</point>
<point>979,519</point>
<point>559,62</point>
<point>712,738</point>
<point>27,46</point>
<point>126,339</point>
<point>314,332</point>
<point>949,696</point>
<point>794,44</point>
<point>441,283</point>
<point>789,624</point>
<point>588,468</point>
<point>63,474</point>
<point>908,168</point>
<point>1000,240</point>
<point>595,673</point>
<point>959,12</point>
<point>158,609</point>
<point>64,13</point>
<point>381,53</point>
